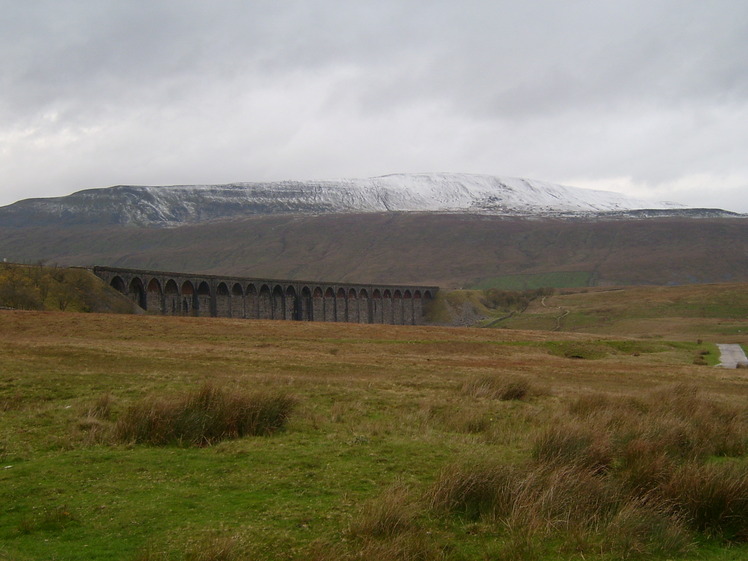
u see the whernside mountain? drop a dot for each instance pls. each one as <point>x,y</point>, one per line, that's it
<point>188,204</point>
<point>453,230</point>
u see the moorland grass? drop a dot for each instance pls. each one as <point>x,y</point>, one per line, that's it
<point>689,312</point>
<point>505,388</point>
<point>203,417</point>
<point>633,476</point>
<point>387,410</point>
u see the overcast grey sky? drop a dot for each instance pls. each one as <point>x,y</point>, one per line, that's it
<point>645,97</point>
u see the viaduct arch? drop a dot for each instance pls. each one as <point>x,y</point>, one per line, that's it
<point>184,294</point>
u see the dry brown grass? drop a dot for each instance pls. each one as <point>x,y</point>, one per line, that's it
<point>391,513</point>
<point>632,475</point>
<point>505,388</point>
<point>389,402</point>
<point>203,417</point>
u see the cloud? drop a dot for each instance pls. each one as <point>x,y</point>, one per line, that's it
<point>100,92</point>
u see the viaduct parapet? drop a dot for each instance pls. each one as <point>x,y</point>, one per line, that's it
<point>183,294</point>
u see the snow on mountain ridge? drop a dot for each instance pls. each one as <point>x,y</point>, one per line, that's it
<point>431,192</point>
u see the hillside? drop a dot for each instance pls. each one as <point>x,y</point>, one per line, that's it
<point>717,313</point>
<point>36,287</point>
<point>177,205</point>
<point>449,250</point>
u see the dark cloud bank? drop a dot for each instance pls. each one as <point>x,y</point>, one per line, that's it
<point>648,98</point>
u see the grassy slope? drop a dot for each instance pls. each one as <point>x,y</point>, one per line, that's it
<point>449,250</point>
<point>36,287</point>
<point>712,312</point>
<point>378,405</point>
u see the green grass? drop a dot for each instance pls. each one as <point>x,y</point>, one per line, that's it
<point>708,312</point>
<point>40,287</point>
<point>380,413</point>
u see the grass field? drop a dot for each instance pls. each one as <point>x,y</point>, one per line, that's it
<point>714,312</point>
<point>396,447</point>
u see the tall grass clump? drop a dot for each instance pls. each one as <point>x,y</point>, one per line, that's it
<point>386,528</point>
<point>102,407</point>
<point>642,530</point>
<point>475,492</point>
<point>570,505</point>
<point>615,475</point>
<point>390,514</point>
<point>573,444</point>
<point>712,498</point>
<point>203,417</point>
<point>496,386</point>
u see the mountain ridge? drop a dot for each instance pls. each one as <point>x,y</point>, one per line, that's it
<point>176,205</point>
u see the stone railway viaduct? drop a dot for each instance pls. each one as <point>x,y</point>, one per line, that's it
<point>183,294</point>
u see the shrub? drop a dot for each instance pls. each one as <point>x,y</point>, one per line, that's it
<point>677,420</point>
<point>693,425</point>
<point>204,417</point>
<point>535,498</point>
<point>563,498</point>
<point>624,477</point>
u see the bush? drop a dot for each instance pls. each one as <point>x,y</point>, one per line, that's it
<point>205,417</point>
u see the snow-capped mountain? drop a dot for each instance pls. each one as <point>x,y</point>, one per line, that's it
<point>450,193</point>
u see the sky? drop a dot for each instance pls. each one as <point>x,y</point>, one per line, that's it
<point>643,97</point>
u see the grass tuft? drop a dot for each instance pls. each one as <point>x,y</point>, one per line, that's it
<point>390,514</point>
<point>640,530</point>
<point>101,408</point>
<point>495,386</point>
<point>204,417</point>
<point>712,498</point>
<point>474,491</point>
<point>573,444</point>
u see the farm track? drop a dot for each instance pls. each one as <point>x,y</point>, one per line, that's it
<point>732,356</point>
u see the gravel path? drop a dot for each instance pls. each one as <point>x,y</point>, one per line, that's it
<point>731,356</point>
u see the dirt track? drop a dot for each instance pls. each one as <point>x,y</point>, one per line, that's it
<point>731,356</point>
